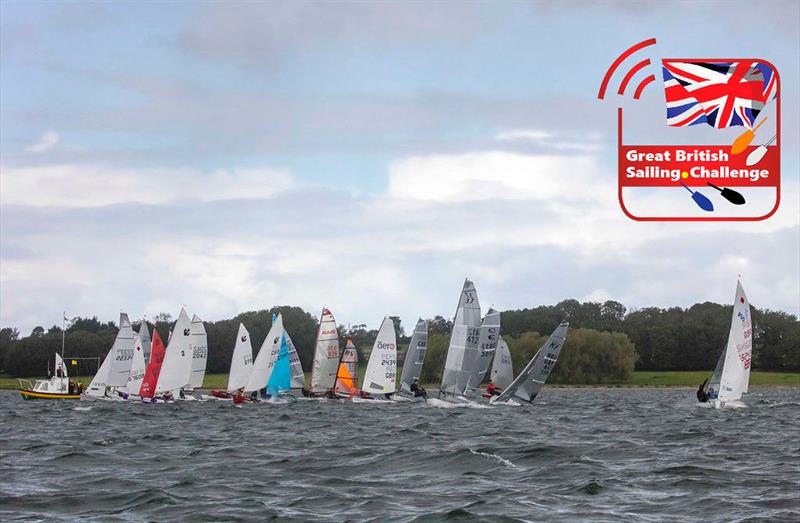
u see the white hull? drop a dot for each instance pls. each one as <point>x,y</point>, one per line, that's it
<point>357,399</point>
<point>722,404</point>
<point>507,403</point>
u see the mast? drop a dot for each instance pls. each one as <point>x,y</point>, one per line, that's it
<point>63,344</point>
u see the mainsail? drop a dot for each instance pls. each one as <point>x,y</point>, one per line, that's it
<point>462,354</point>
<point>264,362</point>
<point>732,375</point>
<point>242,360</point>
<point>382,365</point>
<point>153,369</point>
<point>347,375</point>
<point>97,387</point>
<point>199,342</point>
<point>502,368</point>
<point>326,355</point>
<point>415,356</point>
<point>144,335</point>
<point>535,373</point>
<point>177,366</point>
<point>121,354</point>
<point>487,345</point>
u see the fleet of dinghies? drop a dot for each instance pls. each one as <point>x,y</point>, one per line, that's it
<point>140,367</point>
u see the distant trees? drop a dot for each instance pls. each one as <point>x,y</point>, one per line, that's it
<point>605,342</point>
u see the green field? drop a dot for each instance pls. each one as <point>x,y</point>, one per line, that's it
<point>640,379</point>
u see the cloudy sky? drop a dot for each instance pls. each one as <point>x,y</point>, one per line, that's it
<point>364,156</point>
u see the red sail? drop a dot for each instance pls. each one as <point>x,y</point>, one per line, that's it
<point>153,367</point>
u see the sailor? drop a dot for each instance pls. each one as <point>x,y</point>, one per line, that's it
<point>182,395</point>
<point>712,394</point>
<point>492,389</point>
<point>417,390</point>
<point>702,395</point>
<point>306,393</point>
<point>388,395</point>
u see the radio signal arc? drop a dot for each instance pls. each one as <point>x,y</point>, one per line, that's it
<point>621,58</point>
<point>628,77</point>
<point>644,83</point>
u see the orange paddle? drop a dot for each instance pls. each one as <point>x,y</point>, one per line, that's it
<point>740,144</point>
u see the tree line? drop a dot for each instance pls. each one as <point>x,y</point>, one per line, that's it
<point>606,342</point>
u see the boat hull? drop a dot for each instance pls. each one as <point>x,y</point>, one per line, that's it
<point>33,395</point>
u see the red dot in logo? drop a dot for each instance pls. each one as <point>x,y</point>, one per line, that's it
<point>741,299</point>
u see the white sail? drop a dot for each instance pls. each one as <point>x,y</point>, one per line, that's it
<point>122,351</point>
<point>732,376</point>
<point>138,365</point>
<point>199,342</point>
<point>382,366</point>
<point>97,388</point>
<point>502,367</point>
<point>487,345</point>
<point>144,335</point>
<point>59,365</point>
<point>242,360</point>
<point>265,359</point>
<point>527,385</point>
<point>298,378</point>
<point>326,354</point>
<point>177,365</point>
<point>462,353</point>
<point>415,356</point>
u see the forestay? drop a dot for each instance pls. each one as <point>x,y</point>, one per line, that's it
<point>527,385</point>
<point>241,361</point>
<point>326,354</point>
<point>144,335</point>
<point>199,353</point>
<point>502,367</point>
<point>177,364</point>
<point>732,375</point>
<point>381,371</point>
<point>262,366</point>
<point>487,345</point>
<point>415,356</point>
<point>121,354</point>
<point>136,376</point>
<point>462,353</point>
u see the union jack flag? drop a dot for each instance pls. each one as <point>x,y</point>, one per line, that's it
<point>721,94</point>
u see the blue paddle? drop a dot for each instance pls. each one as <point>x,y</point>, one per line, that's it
<point>701,201</point>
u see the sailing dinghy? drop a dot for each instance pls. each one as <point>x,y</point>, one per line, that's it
<point>412,365</point>
<point>326,358</point>
<point>731,376</point>
<point>530,381</point>
<point>116,367</point>
<point>462,353</point>
<point>136,375</point>
<point>199,348</point>
<point>147,343</point>
<point>241,365</point>
<point>381,373</point>
<point>176,369</point>
<point>502,367</point>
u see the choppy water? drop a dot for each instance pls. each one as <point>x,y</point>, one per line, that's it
<point>635,455</point>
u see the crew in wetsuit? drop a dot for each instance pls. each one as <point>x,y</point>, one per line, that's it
<point>418,391</point>
<point>492,389</point>
<point>702,395</point>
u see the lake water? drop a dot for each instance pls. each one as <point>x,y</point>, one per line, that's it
<point>600,455</point>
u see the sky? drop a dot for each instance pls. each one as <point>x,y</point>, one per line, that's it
<point>363,156</point>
